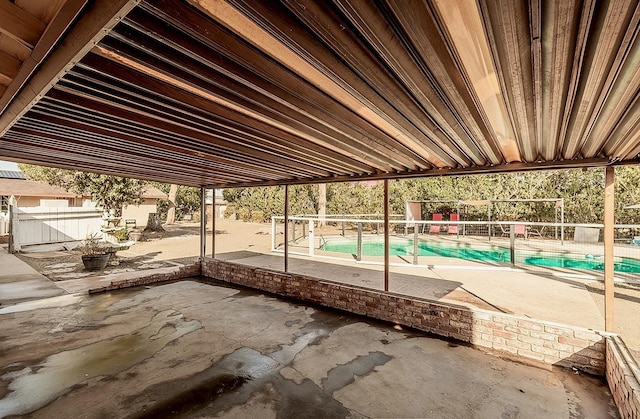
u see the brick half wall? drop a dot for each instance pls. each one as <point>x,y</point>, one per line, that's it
<point>512,336</point>
<point>152,276</point>
<point>623,376</point>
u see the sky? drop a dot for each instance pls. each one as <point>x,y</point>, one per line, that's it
<point>8,165</point>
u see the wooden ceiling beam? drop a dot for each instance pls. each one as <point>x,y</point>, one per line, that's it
<point>52,34</point>
<point>96,21</point>
<point>20,25</point>
<point>480,170</point>
<point>9,67</point>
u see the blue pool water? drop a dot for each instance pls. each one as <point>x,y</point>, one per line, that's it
<point>494,254</point>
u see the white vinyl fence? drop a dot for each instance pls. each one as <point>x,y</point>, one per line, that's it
<point>4,223</point>
<point>44,225</point>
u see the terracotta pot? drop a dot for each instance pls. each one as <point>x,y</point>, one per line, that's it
<point>95,262</point>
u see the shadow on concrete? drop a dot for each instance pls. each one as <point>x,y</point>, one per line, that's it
<point>426,285</point>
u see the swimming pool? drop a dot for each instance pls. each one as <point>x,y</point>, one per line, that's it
<point>489,253</point>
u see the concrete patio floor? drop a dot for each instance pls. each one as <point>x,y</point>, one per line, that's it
<point>192,349</point>
<point>20,282</point>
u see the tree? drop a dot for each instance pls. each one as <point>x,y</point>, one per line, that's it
<point>171,212</point>
<point>186,200</point>
<point>322,202</point>
<point>582,190</point>
<point>109,192</point>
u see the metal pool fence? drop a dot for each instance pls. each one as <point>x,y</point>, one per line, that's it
<point>565,247</point>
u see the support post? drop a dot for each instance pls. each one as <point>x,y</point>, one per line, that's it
<point>359,244</point>
<point>311,238</point>
<point>609,290</point>
<point>286,228</point>
<point>14,245</point>
<point>562,222</point>
<point>203,222</point>
<point>415,244</point>
<point>459,219</point>
<point>343,229</point>
<point>489,216</point>
<point>293,231</point>
<point>512,245</point>
<point>213,223</point>
<point>386,235</point>
<point>273,233</point>
<point>555,220</point>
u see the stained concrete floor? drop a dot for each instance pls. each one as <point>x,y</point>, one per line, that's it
<point>192,349</point>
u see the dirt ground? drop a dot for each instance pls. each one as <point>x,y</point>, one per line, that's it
<point>62,265</point>
<point>179,244</point>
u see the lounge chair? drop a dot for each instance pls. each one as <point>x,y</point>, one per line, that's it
<point>520,229</point>
<point>531,231</point>
<point>453,228</point>
<point>435,228</point>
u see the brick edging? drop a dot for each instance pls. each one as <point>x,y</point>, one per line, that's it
<point>151,276</point>
<point>515,336</point>
<point>623,377</point>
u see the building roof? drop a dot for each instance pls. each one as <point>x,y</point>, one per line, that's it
<point>151,192</point>
<point>12,174</point>
<point>23,187</point>
<point>254,92</point>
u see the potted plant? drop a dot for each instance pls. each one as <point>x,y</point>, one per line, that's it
<point>94,257</point>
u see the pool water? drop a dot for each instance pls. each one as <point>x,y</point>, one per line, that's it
<point>484,254</point>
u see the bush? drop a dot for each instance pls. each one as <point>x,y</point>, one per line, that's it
<point>257,216</point>
<point>243,213</point>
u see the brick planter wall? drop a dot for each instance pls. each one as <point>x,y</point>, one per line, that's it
<point>514,336</point>
<point>623,376</point>
<point>134,279</point>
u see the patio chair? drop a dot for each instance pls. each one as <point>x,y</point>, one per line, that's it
<point>532,231</point>
<point>520,229</point>
<point>435,228</point>
<point>453,228</point>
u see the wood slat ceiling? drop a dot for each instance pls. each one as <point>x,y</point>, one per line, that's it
<point>248,92</point>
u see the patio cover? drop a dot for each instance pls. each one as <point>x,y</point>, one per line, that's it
<point>256,92</point>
